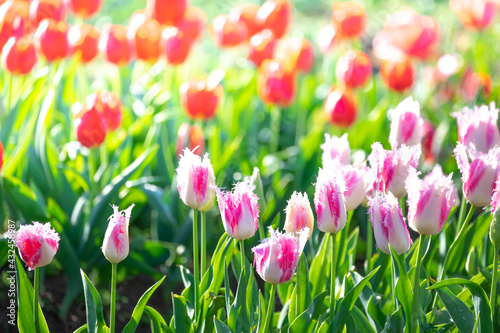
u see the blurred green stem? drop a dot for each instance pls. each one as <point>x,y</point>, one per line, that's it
<point>415,318</point>
<point>203,243</point>
<point>332,277</point>
<point>369,245</point>
<point>393,284</point>
<point>113,298</point>
<point>196,263</point>
<point>402,204</point>
<point>275,128</point>
<point>270,309</point>
<point>35,299</point>
<point>463,206</point>
<point>242,253</point>
<point>493,295</point>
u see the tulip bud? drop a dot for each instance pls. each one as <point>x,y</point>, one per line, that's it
<point>108,105</point>
<point>357,182</point>
<point>19,56</point>
<point>354,69</point>
<point>247,14</point>
<point>478,127</point>
<point>430,200</point>
<point>200,98</point>
<point>89,126</point>
<point>239,210</point>
<point>329,202</point>
<point>340,107</point>
<point>226,32</point>
<point>143,36</point>
<point>478,176</point>
<point>46,9</point>
<point>276,258</point>
<point>167,12</point>
<point>336,149</point>
<point>275,15</point>
<point>276,83</point>
<point>262,46</point>
<point>83,41</point>
<point>196,181</point>
<point>406,124</point>
<point>299,55</point>
<point>476,14</point>
<point>398,75</point>
<point>474,84</point>
<point>193,23</point>
<point>37,244</point>
<point>190,136</point>
<point>113,45</point>
<point>175,45</point>
<point>116,245</point>
<point>327,38</point>
<point>389,226</point>
<point>83,8</point>
<point>10,12</point>
<point>299,214</point>
<point>349,18</point>
<point>51,39</point>
<point>391,167</point>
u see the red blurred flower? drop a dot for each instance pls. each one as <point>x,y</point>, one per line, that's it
<point>200,98</point>
<point>340,107</point>
<point>472,83</point>
<point>247,14</point>
<point>144,37</point>
<point>108,105</point>
<point>9,11</point>
<point>299,54</point>
<point>1,155</point>
<point>83,8</point>
<point>349,18</point>
<point>167,12</point>
<point>190,136</point>
<point>475,14</point>
<point>193,23</point>
<point>276,83</point>
<point>83,40</point>
<point>113,44</point>
<point>19,56</point>
<point>427,142</point>
<point>275,15</point>
<point>89,126</point>
<point>227,32</point>
<point>262,46</point>
<point>46,9</point>
<point>398,75</point>
<point>175,45</point>
<point>327,38</point>
<point>354,69</point>
<point>51,39</point>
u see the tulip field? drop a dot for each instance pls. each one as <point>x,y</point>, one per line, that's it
<point>249,166</point>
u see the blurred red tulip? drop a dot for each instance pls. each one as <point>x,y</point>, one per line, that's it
<point>175,45</point>
<point>327,38</point>
<point>472,83</point>
<point>167,12</point>
<point>89,126</point>
<point>275,15</point>
<point>349,18</point>
<point>226,32</point>
<point>354,69</point>
<point>46,9</point>
<point>398,75</point>
<point>200,98</point>
<point>83,40</point>
<point>247,14</point>
<point>19,56</point>
<point>193,23</point>
<point>276,83</point>
<point>9,11</point>
<point>262,46</point>
<point>83,8</point>
<point>1,155</point>
<point>427,142</point>
<point>51,39</point>
<point>108,105</point>
<point>144,37</point>
<point>299,54</point>
<point>190,136</point>
<point>340,107</point>
<point>475,14</point>
<point>113,45</point>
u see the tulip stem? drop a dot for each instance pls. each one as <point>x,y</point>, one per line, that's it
<point>35,300</point>
<point>203,244</point>
<point>242,253</point>
<point>493,295</point>
<point>393,284</point>
<point>275,128</point>
<point>270,309</point>
<point>332,277</point>
<point>195,263</point>
<point>369,245</point>
<point>415,318</point>
<point>463,206</point>
<point>113,298</point>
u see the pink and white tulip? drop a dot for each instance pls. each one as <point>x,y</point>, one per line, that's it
<point>299,214</point>
<point>391,167</point>
<point>329,201</point>
<point>388,223</point>
<point>406,125</point>
<point>239,210</point>
<point>115,246</point>
<point>478,176</point>
<point>336,149</point>
<point>495,198</point>
<point>478,127</point>
<point>276,257</point>
<point>37,244</point>
<point>358,181</point>
<point>196,181</point>
<point>430,200</point>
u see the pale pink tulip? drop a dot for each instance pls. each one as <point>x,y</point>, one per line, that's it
<point>336,149</point>
<point>299,214</point>
<point>495,198</point>
<point>329,201</point>
<point>37,244</point>
<point>116,244</point>
<point>406,125</point>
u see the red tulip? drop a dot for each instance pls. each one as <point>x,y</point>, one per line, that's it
<point>354,69</point>
<point>83,40</point>
<point>247,14</point>
<point>340,107</point>
<point>200,98</point>
<point>89,126</point>
<point>46,9</point>
<point>475,14</point>
<point>349,18</point>
<point>276,83</point>
<point>19,56</point>
<point>1,155</point>
<point>144,37</point>
<point>167,12</point>
<point>472,83</point>
<point>226,32</point>
<point>398,75</point>
<point>108,105</point>
<point>9,11</point>
<point>262,46</point>
<point>175,45</point>
<point>327,38</point>
<point>193,23</point>
<point>428,142</point>
<point>83,8</point>
<point>51,39</point>
<point>299,54</point>
<point>275,15</point>
<point>113,44</point>
<point>190,136</point>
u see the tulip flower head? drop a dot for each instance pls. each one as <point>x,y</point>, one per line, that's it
<point>46,9</point>
<point>276,258</point>
<point>10,13</point>
<point>388,223</point>
<point>475,14</point>
<point>299,55</point>
<point>37,244</point>
<point>108,105</point>
<point>430,200</point>
<point>175,45</point>
<point>200,98</point>
<point>406,125</point>
<point>143,36</point>
<point>116,244</point>
<point>275,15</point>
<point>299,214</point>
<point>190,136</point>
<point>478,127</point>
<point>329,201</point>
<point>89,126</point>
<point>83,41</point>
<point>391,167</point>
<point>196,181</point>
<point>354,69</point>
<point>336,149</point>
<point>262,46</point>
<point>478,176</point>
<point>193,23</point>
<point>113,45</point>
<point>239,210</point>
<point>495,198</point>
<point>340,107</point>
<point>276,83</point>
<point>357,181</point>
<point>398,75</point>
<point>227,32</point>
<point>167,12</point>
<point>19,56</point>
<point>83,8</point>
<point>247,14</point>
<point>51,39</point>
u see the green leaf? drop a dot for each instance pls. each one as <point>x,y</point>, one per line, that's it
<point>403,290</point>
<point>362,323</point>
<point>220,327</point>
<point>239,320</point>
<point>182,322</point>
<point>24,198</point>
<point>158,324</point>
<point>306,321</point>
<point>93,304</point>
<point>317,273</point>
<point>395,322</point>
<point>301,296</point>
<point>462,316</point>
<point>139,308</point>
<point>81,329</point>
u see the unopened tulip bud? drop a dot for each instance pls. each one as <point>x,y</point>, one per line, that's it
<point>116,244</point>
<point>299,214</point>
<point>341,107</point>
<point>275,15</point>
<point>336,149</point>
<point>406,125</point>
<point>349,18</point>
<point>353,69</point>
<point>276,258</point>
<point>476,14</point>
<point>329,201</point>
<point>37,244</point>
